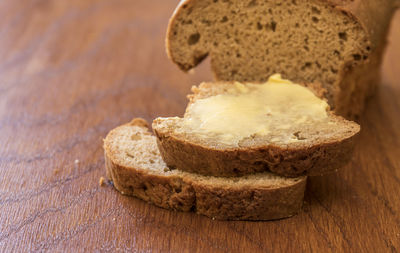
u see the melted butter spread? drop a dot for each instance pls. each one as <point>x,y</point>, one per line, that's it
<point>246,110</point>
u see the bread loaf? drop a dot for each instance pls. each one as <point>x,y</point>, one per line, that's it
<point>336,43</point>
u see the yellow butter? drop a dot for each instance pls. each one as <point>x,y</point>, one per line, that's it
<point>255,109</point>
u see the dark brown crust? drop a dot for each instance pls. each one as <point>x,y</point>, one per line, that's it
<point>182,193</point>
<point>166,192</point>
<point>374,16</point>
<point>358,83</point>
<point>314,160</point>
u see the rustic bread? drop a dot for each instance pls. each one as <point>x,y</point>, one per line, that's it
<point>136,168</point>
<point>338,43</point>
<point>309,148</point>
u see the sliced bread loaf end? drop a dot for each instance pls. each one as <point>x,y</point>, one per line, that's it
<point>337,43</point>
<point>136,168</point>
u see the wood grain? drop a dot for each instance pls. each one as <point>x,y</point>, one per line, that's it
<point>72,70</point>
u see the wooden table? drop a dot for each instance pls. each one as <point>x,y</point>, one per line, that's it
<point>71,70</point>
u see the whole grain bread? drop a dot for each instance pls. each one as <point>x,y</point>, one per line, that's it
<point>318,147</point>
<point>338,43</point>
<point>136,168</point>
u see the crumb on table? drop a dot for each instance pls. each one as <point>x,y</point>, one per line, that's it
<point>102,181</point>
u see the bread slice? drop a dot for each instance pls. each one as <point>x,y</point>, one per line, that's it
<point>336,43</point>
<point>134,164</point>
<point>288,149</point>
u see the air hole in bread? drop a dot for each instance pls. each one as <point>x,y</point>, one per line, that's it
<point>297,135</point>
<point>206,22</point>
<point>224,19</point>
<point>343,36</point>
<point>129,154</point>
<point>306,40</point>
<point>315,10</point>
<point>193,39</point>
<point>136,137</point>
<point>252,3</point>
<point>273,26</point>
<point>357,57</point>
<point>306,65</point>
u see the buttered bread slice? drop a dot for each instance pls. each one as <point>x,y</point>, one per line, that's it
<point>234,129</point>
<point>136,168</point>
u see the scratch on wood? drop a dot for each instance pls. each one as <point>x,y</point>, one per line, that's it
<point>336,219</point>
<point>15,228</point>
<point>28,195</point>
<point>50,242</point>
<point>161,224</point>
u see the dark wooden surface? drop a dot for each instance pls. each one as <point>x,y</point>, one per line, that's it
<point>71,70</point>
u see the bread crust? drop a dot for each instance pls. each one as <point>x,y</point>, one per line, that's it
<point>190,192</point>
<point>290,162</point>
<point>357,83</point>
